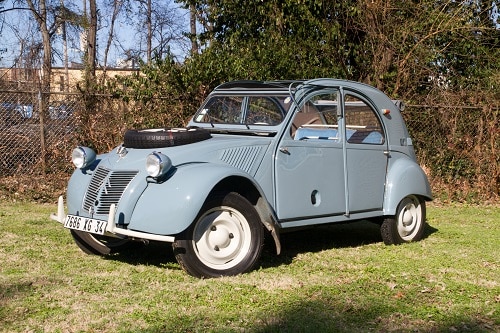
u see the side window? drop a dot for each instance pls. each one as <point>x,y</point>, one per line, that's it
<point>222,109</point>
<point>362,124</point>
<point>317,118</point>
<point>263,111</point>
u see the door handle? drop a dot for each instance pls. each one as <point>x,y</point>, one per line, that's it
<point>284,150</point>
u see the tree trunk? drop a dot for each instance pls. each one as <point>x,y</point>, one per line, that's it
<point>65,51</point>
<point>116,9</point>
<point>150,31</point>
<point>90,53</point>
<point>192,25</point>
<point>41,19</point>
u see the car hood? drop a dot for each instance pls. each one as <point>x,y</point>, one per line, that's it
<point>242,152</point>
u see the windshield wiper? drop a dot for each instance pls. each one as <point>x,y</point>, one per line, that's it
<point>247,131</point>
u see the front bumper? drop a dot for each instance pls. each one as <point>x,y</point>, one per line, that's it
<point>111,228</point>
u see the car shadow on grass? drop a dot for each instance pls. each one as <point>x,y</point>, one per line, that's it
<point>150,254</point>
<point>320,238</point>
<point>331,315</point>
<point>325,237</point>
<point>316,239</point>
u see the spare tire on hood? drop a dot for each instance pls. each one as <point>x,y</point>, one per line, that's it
<point>164,137</point>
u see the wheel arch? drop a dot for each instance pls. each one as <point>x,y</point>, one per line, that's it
<point>249,190</point>
<point>404,177</point>
<point>180,199</point>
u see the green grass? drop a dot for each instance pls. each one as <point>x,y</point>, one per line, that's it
<point>339,278</point>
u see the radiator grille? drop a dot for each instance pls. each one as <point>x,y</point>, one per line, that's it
<point>242,157</point>
<point>106,188</point>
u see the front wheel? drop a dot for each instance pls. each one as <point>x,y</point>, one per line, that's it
<point>409,223</point>
<point>97,244</point>
<point>225,239</point>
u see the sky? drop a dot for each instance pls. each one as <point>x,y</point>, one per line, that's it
<point>26,30</point>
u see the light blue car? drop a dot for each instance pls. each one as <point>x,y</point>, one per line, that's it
<point>257,157</point>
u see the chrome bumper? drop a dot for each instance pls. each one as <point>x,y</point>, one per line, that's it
<point>111,227</point>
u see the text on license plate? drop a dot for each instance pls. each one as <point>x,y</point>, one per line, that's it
<point>85,224</point>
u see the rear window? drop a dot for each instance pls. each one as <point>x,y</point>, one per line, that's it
<point>362,123</point>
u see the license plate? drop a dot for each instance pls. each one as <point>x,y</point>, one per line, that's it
<point>85,224</point>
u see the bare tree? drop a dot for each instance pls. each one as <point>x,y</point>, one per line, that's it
<point>117,4</point>
<point>1,24</point>
<point>41,16</point>
<point>23,38</point>
<point>145,11</point>
<point>167,30</point>
<point>162,30</point>
<point>51,20</point>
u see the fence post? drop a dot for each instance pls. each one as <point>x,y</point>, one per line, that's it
<point>41,114</point>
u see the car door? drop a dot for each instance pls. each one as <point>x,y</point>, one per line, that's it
<point>309,165</point>
<point>366,154</point>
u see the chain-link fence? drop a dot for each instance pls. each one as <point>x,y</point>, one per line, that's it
<point>36,131</point>
<point>458,147</point>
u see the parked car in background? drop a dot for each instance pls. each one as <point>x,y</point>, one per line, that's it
<point>256,157</point>
<point>13,113</point>
<point>60,111</point>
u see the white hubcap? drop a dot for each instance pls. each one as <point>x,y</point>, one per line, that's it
<point>222,238</point>
<point>409,218</point>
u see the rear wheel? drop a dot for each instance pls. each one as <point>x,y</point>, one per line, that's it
<point>409,223</point>
<point>97,244</point>
<point>225,239</point>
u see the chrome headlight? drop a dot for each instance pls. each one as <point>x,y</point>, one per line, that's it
<point>82,157</point>
<point>157,164</point>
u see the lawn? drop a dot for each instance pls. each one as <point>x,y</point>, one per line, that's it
<point>339,278</point>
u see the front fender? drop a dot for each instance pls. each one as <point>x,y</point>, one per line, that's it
<point>77,185</point>
<point>75,193</point>
<point>169,208</point>
<point>404,177</point>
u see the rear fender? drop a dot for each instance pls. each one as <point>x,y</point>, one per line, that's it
<point>169,208</point>
<point>404,177</point>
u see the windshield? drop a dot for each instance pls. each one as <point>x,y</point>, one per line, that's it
<point>263,110</point>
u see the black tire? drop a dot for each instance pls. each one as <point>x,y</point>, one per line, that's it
<point>97,244</point>
<point>409,223</point>
<point>164,137</point>
<point>225,239</point>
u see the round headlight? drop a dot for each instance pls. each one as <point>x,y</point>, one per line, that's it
<point>157,164</point>
<point>82,157</point>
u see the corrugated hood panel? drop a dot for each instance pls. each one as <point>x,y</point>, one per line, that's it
<point>242,152</point>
